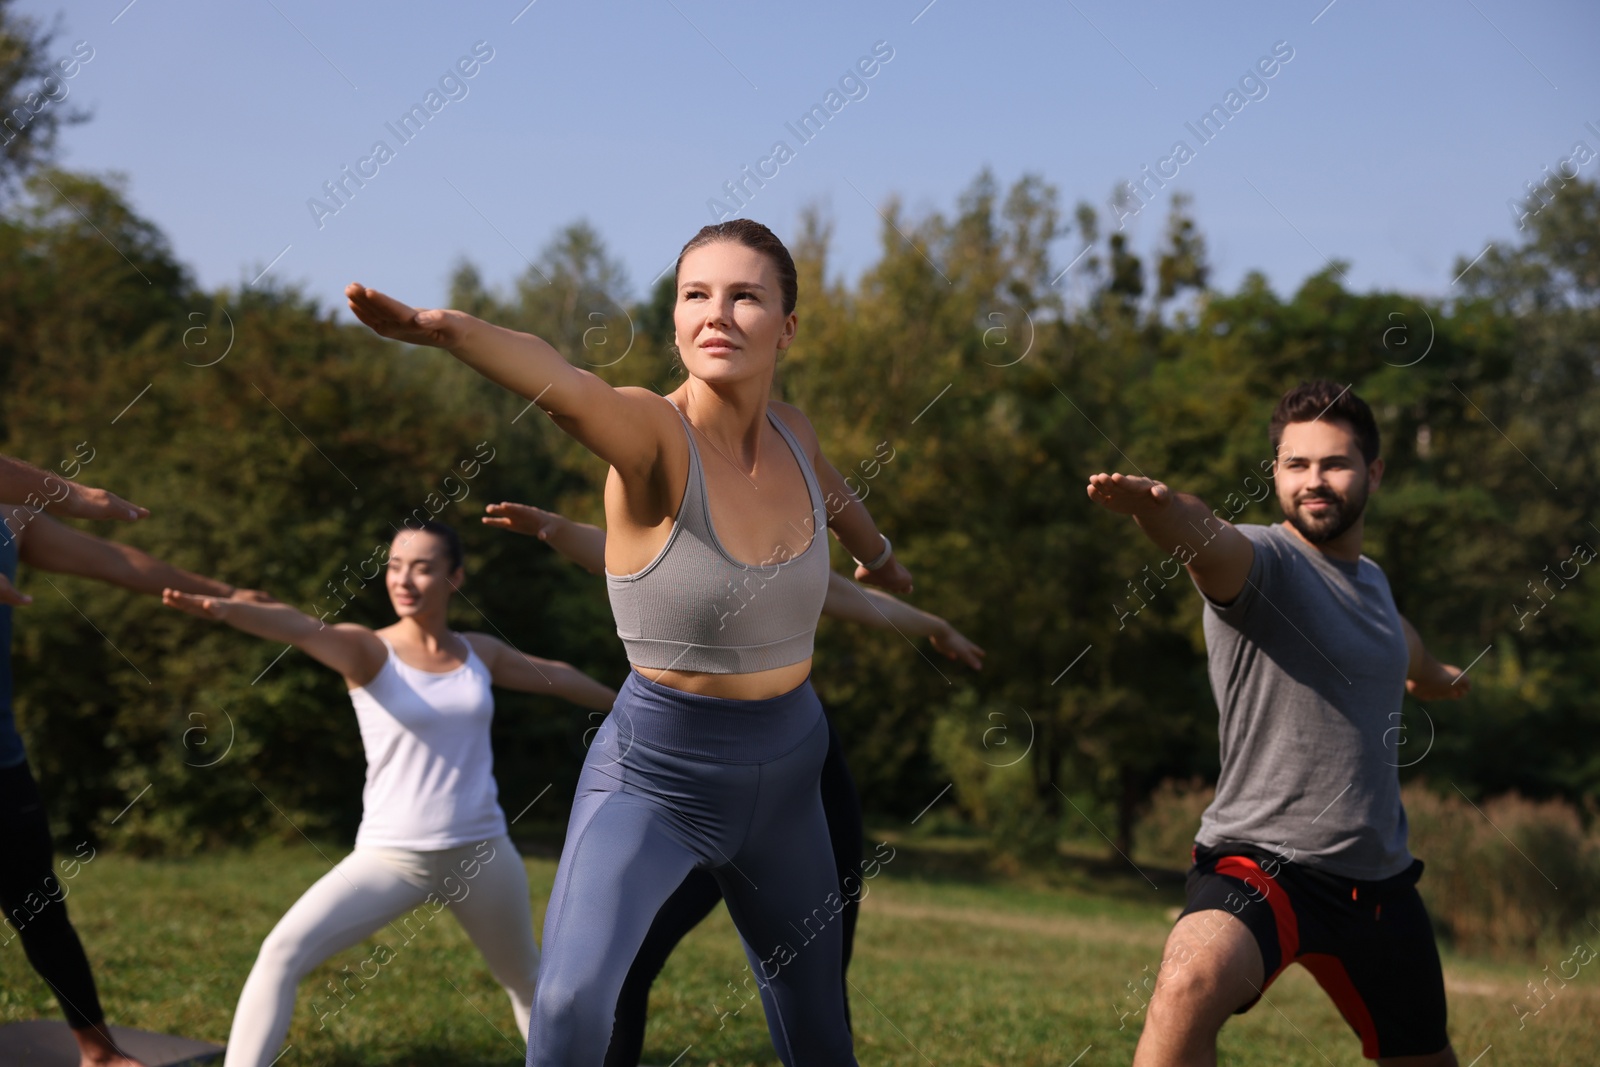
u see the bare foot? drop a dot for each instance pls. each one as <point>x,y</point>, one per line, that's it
<point>96,1049</point>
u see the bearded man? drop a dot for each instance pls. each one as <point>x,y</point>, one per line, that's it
<point>1302,856</point>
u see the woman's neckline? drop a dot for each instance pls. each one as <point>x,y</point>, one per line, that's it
<point>705,495</point>
<point>466,661</point>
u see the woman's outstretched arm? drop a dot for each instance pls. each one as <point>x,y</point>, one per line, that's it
<point>856,603</point>
<point>579,542</point>
<point>512,669</point>
<point>354,651</point>
<point>625,427</point>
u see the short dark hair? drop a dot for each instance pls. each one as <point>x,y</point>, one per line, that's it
<point>451,539</point>
<point>757,238</point>
<point>1322,399</point>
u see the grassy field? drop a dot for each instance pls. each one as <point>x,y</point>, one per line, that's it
<point>955,964</point>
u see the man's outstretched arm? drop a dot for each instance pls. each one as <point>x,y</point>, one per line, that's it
<point>1426,677</point>
<point>1217,554</point>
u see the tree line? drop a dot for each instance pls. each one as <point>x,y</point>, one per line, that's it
<point>965,382</point>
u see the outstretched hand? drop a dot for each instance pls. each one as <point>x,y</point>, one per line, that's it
<point>388,317</point>
<point>1128,494</point>
<point>214,608</point>
<point>955,645</point>
<point>86,502</point>
<point>522,519</point>
<point>892,576</point>
<point>1449,684</point>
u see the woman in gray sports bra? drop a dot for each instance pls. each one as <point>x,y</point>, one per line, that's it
<point>716,565</point>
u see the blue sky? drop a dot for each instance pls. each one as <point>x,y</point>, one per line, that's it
<point>1392,139</point>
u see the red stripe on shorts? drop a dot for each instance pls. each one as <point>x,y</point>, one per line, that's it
<point>1335,981</point>
<point>1250,872</point>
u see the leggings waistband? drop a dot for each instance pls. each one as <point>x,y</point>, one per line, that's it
<point>713,728</point>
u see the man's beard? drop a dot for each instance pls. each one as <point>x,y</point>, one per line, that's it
<point>1340,515</point>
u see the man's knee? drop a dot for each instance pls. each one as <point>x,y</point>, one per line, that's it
<point>1200,987</point>
<point>1212,968</point>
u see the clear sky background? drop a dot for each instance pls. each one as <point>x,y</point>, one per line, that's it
<point>1393,139</point>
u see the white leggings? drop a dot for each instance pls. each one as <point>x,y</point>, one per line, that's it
<point>484,885</point>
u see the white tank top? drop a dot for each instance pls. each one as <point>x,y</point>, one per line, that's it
<point>430,771</point>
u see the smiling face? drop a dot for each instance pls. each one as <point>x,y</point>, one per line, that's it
<point>420,577</point>
<point>1322,480</point>
<point>729,317</point>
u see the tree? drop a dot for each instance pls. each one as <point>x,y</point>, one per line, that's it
<point>33,86</point>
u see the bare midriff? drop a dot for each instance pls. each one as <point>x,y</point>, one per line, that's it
<point>757,685</point>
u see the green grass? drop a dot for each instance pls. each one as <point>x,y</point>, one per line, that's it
<point>955,964</point>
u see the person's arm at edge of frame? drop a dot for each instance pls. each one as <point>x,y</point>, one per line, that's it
<point>24,484</point>
<point>54,546</point>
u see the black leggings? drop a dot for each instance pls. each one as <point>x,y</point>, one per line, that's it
<point>34,900</point>
<point>698,895</point>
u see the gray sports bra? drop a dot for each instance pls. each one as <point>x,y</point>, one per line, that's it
<point>696,608</point>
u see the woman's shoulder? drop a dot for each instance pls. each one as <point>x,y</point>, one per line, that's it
<point>485,646</point>
<point>649,395</point>
<point>798,424</point>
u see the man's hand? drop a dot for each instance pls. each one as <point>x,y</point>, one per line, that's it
<point>1220,563</point>
<point>1127,494</point>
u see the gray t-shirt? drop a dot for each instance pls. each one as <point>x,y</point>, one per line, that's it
<point>1308,665</point>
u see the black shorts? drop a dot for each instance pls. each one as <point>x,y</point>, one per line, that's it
<point>1370,945</point>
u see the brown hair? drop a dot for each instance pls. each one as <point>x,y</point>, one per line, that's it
<point>451,539</point>
<point>1310,401</point>
<point>757,238</point>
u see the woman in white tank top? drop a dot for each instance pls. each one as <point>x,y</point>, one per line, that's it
<point>432,833</point>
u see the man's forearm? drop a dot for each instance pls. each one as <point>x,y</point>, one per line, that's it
<point>1422,665</point>
<point>1183,520</point>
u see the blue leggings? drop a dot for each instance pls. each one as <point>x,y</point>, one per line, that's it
<point>676,782</point>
